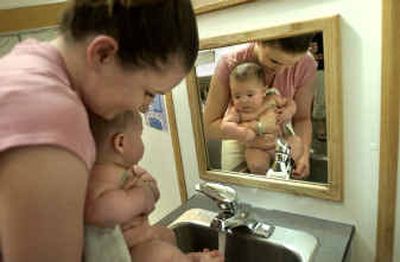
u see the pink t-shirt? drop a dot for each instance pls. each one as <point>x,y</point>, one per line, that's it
<point>38,105</point>
<point>287,81</point>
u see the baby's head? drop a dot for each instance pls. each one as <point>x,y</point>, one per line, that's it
<point>118,140</point>
<point>247,86</point>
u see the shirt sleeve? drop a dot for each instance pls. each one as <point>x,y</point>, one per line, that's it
<point>305,70</point>
<point>45,118</point>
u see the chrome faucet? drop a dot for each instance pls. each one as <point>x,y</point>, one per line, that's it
<point>233,215</point>
<point>283,165</point>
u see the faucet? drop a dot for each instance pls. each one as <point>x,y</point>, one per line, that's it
<point>233,215</point>
<point>283,166</point>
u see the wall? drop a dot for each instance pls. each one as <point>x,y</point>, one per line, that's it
<point>159,161</point>
<point>8,4</point>
<point>361,56</point>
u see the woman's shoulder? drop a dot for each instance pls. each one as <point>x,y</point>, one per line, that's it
<point>307,62</point>
<point>38,105</point>
<point>238,54</point>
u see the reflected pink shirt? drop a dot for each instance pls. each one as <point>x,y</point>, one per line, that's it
<point>38,105</point>
<point>288,81</point>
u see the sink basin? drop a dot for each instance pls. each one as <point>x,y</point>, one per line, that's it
<point>193,233</point>
<point>239,247</point>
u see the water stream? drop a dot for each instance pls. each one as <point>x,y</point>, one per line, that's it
<point>221,242</point>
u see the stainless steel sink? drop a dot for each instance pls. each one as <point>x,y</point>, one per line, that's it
<point>193,233</point>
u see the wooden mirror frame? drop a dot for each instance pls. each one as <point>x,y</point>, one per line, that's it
<point>206,6</point>
<point>333,189</point>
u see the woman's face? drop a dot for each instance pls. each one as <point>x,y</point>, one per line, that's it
<point>273,58</point>
<point>113,90</point>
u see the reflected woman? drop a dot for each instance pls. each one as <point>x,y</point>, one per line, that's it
<point>288,67</point>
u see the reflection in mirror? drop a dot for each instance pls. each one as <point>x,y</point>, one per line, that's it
<point>266,108</point>
<point>251,160</point>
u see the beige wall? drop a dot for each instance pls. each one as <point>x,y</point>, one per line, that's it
<point>361,56</point>
<point>159,161</point>
<point>8,4</point>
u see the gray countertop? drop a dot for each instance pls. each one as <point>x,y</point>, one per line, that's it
<point>334,237</point>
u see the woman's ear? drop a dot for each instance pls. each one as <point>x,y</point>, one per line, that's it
<point>101,50</point>
<point>118,141</point>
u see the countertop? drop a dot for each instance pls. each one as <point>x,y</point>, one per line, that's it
<point>334,237</point>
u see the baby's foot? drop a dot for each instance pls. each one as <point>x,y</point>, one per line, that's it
<point>207,256</point>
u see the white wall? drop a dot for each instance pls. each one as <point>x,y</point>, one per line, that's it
<point>8,4</point>
<point>159,161</point>
<point>361,55</point>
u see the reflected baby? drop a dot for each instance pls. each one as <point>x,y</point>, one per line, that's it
<point>251,99</point>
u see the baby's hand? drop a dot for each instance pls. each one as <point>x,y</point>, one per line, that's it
<point>131,181</point>
<point>149,200</point>
<point>145,179</point>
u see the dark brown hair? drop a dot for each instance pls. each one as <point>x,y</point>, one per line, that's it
<point>147,31</point>
<point>248,70</point>
<point>294,44</point>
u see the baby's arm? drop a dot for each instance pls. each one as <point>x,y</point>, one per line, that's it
<point>143,178</point>
<point>230,127</point>
<point>117,206</point>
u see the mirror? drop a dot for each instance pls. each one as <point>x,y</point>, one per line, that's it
<point>306,74</point>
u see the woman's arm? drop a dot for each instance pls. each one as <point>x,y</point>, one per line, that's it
<point>217,103</point>
<point>303,126</point>
<point>42,192</point>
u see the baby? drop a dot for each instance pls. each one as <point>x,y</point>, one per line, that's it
<point>120,197</point>
<point>251,99</point>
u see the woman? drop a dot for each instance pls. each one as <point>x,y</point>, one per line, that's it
<point>290,69</point>
<point>111,56</point>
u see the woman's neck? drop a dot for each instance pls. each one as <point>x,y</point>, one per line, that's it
<point>72,54</point>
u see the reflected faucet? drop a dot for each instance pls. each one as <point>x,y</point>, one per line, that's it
<point>233,215</point>
<point>283,165</point>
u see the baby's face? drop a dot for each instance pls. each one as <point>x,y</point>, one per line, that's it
<point>133,143</point>
<point>247,96</point>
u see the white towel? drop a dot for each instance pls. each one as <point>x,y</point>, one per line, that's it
<point>105,245</point>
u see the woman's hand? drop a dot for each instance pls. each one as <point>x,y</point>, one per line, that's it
<point>269,123</point>
<point>285,111</point>
<point>302,170</point>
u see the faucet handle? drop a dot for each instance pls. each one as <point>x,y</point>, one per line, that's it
<point>225,196</point>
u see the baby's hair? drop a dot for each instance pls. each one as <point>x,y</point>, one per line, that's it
<point>246,71</point>
<point>103,129</point>
<point>294,44</point>
<point>148,32</point>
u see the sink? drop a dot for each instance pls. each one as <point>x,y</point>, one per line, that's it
<point>239,247</point>
<point>193,233</point>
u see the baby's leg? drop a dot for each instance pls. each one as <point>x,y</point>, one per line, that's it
<point>297,147</point>
<point>163,233</point>
<point>154,251</point>
<point>258,161</point>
